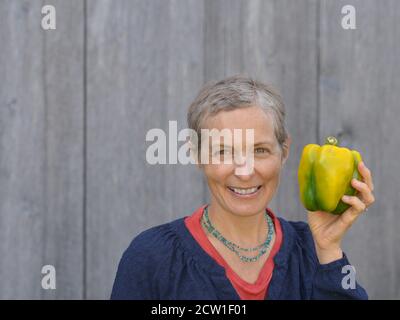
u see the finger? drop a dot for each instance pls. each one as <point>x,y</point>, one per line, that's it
<point>365,191</point>
<point>355,202</point>
<point>351,214</point>
<point>366,174</point>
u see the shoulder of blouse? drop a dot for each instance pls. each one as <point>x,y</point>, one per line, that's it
<point>155,238</point>
<point>151,245</point>
<point>298,235</point>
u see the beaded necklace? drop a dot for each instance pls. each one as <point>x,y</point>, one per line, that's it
<point>234,247</point>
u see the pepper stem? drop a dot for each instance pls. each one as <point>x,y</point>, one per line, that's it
<point>331,140</point>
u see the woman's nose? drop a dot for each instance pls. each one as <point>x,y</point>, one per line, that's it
<point>244,164</point>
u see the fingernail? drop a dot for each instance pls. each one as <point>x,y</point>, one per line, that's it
<point>345,198</point>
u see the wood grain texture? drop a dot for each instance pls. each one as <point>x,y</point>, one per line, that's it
<point>359,90</point>
<point>145,65</point>
<point>75,186</point>
<point>41,164</point>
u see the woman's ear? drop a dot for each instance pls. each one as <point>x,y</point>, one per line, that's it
<point>286,149</point>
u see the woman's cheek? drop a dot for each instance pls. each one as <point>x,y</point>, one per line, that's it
<point>268,168</point>
<point>217,171</point>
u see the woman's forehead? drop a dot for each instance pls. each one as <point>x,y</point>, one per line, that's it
<point>244,118</point>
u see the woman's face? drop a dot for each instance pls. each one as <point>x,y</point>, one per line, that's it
<point>234,189</point>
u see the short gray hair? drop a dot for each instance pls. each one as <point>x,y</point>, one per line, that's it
<point>238,91</point>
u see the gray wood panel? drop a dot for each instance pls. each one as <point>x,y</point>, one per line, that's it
<point>359,88</point>
<point>41,120</point>
<point>273,41</point>
<point>145,65</point>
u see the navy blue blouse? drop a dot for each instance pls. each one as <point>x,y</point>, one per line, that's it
<point>166,263</point>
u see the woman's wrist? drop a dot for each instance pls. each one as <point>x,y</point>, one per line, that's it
<point>326,256</point>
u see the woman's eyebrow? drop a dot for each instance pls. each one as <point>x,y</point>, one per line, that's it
<point>256,144</point>
<point>264,142</point>
<point>221,145</point>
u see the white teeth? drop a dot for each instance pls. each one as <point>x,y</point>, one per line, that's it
<point>245,191</point>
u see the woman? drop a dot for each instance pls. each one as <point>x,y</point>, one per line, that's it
<point>236,247</point>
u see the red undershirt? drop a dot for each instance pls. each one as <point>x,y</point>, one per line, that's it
<point>246,290</point>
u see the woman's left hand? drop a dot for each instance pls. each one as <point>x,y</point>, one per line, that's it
<point>328,229</point>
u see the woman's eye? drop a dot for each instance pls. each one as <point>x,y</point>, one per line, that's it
<point>222,152</point>
<point>261,150</point>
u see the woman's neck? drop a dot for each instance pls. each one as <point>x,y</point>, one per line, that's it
<point>245,231</point>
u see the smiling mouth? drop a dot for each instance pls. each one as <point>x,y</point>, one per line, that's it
<point>244,191</point>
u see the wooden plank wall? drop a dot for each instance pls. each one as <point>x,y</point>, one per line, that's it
<point>75,187</point>
<point>41,150</point>
<point>359,102</point>
<point>145,62</point>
